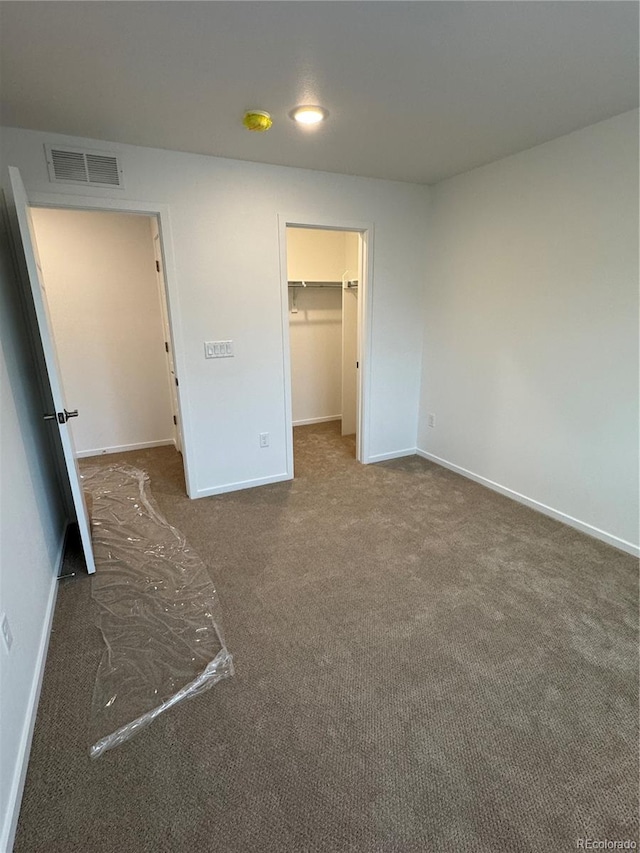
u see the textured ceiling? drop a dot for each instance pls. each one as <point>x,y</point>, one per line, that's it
<point>416,91</point>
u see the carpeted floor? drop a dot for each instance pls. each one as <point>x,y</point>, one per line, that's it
<point>421,665</point>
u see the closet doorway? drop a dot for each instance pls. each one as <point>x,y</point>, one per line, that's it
<point>103,272</point>
<point>324,287</point>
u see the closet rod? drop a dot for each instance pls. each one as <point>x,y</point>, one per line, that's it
<point>350,284</point>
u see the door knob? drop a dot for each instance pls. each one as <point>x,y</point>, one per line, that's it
<point>73,414</point>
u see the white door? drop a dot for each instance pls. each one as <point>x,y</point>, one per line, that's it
<point>157,248</point>
<point>349,359</point>
<point>350,355</point>
<point>30,271</point>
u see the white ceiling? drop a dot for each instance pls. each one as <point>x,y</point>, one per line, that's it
<point>416,91</point>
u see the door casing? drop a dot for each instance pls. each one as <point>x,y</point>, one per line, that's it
<point>365,292</point>
<point>162,213</point>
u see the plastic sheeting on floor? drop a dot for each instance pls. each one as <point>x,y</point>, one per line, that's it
<point>156,607</point>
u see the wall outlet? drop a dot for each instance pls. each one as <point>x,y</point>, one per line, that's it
<point>431,420</point>
<point>7,636</point>
<point>264,439</point>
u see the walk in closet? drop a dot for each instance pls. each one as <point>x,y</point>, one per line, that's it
<point>323,276</point>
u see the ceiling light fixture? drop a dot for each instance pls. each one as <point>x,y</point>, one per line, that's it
<point>309,114</point>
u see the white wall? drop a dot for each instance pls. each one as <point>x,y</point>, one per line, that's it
<point>316,254</point>
<point>99,272</point>
<point>226,284</point>
<point>531,325</point>
<point>32,524</point>
<point>315,330</point>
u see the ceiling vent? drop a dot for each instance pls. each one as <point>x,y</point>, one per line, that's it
<point>75,166</point>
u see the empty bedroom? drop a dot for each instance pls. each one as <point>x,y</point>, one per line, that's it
<point>319,418</point>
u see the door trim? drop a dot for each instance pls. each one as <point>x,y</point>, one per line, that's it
<point>166,334</point>
<point>162,212</point>
<point>365,293</point>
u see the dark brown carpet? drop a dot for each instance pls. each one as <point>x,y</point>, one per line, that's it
<point>421,665</point>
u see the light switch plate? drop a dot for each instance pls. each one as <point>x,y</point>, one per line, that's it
<point>218,349</point>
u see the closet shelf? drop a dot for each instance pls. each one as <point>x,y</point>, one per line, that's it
<point>350,284</point>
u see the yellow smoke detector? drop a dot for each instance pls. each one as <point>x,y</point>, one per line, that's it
<point>257,120</point>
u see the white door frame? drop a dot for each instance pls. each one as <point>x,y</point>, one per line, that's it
<point>166,334</point>
<point>162,212</point>
<point>365,293</point>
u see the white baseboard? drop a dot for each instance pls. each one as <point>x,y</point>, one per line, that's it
<point>395,454</point>
<point>122,448</point>
<point>307,421</point>
<point>243,484</point>
<point>7,834</point>
<point>589,529</point>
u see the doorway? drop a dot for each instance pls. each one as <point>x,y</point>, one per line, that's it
<point>325,302</point>
<point>103,272</point>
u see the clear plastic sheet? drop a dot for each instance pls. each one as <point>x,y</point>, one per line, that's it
<point>156,607</point>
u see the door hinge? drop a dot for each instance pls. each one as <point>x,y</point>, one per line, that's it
<point>166,346</point>
<point>176,378</point>
<point>157,266</point>
<point>62,417</point>
<point>357,365</point>
<point>175,421</point>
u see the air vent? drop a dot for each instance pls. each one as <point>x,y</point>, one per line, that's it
<point>69,166</point>
<point>93,168</point>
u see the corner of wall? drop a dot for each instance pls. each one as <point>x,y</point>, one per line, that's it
<point>427,267</point>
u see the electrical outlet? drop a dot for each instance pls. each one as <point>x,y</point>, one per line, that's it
<point>431,420</point>
<point>7,636</point>
<point>264,439</point>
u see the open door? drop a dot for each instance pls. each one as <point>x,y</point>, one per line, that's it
<point>168,341</point>
<point>350,322</point>
<point>349,358</point>
<point>30,271</point>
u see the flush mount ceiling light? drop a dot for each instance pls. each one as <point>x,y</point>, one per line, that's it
<point>309,114</point>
